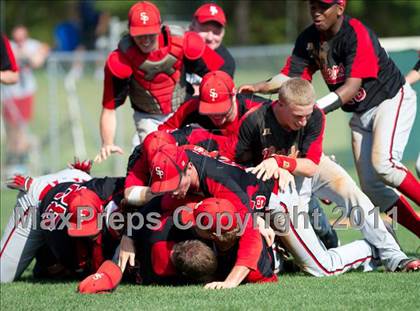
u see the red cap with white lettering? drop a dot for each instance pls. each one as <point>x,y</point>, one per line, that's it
<point>144,19</point>
<point>216,90</point>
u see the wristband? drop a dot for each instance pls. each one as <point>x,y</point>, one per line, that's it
<point>139,195</point>
<point>329,102</point>
<point>285,162</point>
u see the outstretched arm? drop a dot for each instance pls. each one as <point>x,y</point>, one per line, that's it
<point>269,86</point>
<point>235,277</point>
<point>108,124</point>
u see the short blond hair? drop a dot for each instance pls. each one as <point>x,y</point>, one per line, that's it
<point>297,91</point>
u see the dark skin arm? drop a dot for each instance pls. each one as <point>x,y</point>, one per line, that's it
<point>349,89</point>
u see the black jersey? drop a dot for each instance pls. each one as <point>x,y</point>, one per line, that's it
<point>354,52</point>
<point>260,135</point>
<point>82,254</point>
<point>107,189</point>
<point>138,173</point>
<point>230,181</point>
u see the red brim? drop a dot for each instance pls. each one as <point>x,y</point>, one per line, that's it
<point>206,19</point>
<point>166,186</point>
<point>215,108</point>
<point>113,271</point>
<point>88,229</point>
<point>140,31</point>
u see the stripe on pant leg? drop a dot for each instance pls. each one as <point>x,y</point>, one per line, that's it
<point>312,255</point>
<point>393,134</point>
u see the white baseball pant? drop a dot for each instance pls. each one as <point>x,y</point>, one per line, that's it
<point>23,236</point>
<point>298,236</point>
<point>379,137</point>
<point>334,183</point>
<point>145,124</point>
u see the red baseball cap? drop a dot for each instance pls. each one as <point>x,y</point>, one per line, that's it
<point>210,12</point>
<point>154,141</point>
<point>167,167</point>
<point>84,205</point>
<point>105,279</point>
<point>216,90</point>
<point>144,19</point>
<point>217,211</point>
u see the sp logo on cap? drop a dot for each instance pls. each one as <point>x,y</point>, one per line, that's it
<point>144,18</point>
<point>97,276</point>
<point>159,172</point>
<point>213,10</point>
<point>213,94</point>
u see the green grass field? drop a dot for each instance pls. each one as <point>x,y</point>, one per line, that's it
<point>355,290</point>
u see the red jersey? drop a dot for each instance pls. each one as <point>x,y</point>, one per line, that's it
<point>188,114</point>
<point>155,82</point>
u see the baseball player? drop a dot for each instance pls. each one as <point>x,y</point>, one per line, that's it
<point>149,66</point>
<point>363,80</point>
<point>165,262</point>
<point>412,77</point>
<point>267,134</point>
<point>38,215</point>
<point>252,252</point>
<point>22,236</point>
<point>178,172</point>
<point>220,109</point>
<point>137,191</point>
<point>87,242</point>
<point>9,70</point>
<point>226,243</point>
<point>209,22</point>
<point>157,251</point>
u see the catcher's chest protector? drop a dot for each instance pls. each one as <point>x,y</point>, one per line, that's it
<point>158,83</point>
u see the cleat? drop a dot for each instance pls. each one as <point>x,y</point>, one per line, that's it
<point>409,265</point>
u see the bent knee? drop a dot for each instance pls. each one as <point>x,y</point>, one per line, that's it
<point>383,167</point>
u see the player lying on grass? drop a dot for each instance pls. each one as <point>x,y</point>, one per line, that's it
<point>180,172</point>
<point>163,262</point>
<point>171,253</point>
<point>364,80</point>
<point>46,214</point>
